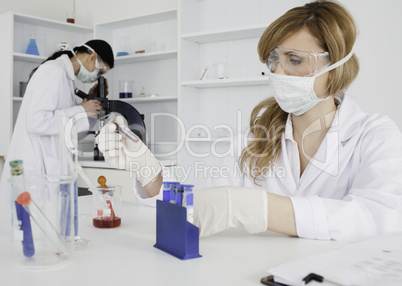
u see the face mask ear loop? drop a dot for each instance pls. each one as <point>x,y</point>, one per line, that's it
<point>335,65</point>
<point>75,55</point>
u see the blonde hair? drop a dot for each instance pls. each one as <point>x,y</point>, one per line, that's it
<point>335,31</point>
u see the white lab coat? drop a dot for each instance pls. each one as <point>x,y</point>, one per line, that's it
<point>49,96</point>
<point>351,189</point>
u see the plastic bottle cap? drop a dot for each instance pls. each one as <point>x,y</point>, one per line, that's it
<point>24,199</point>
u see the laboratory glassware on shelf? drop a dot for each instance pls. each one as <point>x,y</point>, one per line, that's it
<point>126,88</point>
<point>123,47</point>
<point>32,48</point>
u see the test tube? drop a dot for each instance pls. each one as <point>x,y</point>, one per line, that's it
<point>179,195</point>
<point>166,191</point>
<point>25,226</point>
<point>43,223</point>
<point>132,136</point>
<point>64,213</point>
<point>173,191</point>
<point>188,201</point>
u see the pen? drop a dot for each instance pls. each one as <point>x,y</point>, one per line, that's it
<point>316,277</point>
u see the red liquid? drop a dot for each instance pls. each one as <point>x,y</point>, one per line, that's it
<point>106,222</point>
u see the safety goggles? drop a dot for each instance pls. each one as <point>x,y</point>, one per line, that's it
<point>297,63</point>
<point>99,64</point>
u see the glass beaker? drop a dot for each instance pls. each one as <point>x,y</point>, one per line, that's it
<point>70,17</point>
<point>43,220</point>
<point>126,88</point>
<point>221,70</point>
<point>106,207</point>
<point>123,47</point>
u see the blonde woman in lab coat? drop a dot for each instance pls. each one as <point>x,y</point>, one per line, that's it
<point>316,165</point>
<point>49,96</point>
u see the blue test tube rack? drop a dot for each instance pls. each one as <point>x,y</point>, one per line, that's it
<point>174,234</point>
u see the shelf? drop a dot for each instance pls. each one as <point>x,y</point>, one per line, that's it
<point>223,139</point>
<point>94,164</point>
<point>225,35</point>
<point>261,80</point>
<point>37,21</point>
<point>143,19</point>
<point>146,57</point>
<point>148,99</point>
<point>89,163</point>
<point>162,143</point>
<point>17,98</point>
<point>29,58</point>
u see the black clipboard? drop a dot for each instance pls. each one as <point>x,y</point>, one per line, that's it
<point>269,280</point>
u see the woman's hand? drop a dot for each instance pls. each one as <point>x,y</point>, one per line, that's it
<point>92,107</point>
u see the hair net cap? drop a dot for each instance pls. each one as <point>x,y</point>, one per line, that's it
<point>104,50</point>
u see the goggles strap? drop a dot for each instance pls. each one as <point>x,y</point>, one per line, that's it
<point>335,65</point>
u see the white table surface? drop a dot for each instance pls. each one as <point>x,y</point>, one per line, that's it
<point>126,256</point>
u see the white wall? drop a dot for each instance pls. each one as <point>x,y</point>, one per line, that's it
<point>377,89</point>
<point>88,12</point>
<point>51,9</point>
<point>100,11</point>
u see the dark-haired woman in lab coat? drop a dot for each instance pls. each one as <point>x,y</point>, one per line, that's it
<point>48,98</point>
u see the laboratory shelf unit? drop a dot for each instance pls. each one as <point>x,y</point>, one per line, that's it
<point>17,31</point>
<point>262,80</point>
<point>146,57</point>
<point>29,58</point>
<point>210,140</point>
<point>153,70</point>
<point>52,24</point>
<point>146,19</point>
<point>225,35</point>
<point>149,99</point>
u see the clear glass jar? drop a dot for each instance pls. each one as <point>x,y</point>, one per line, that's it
<point>106,207</point>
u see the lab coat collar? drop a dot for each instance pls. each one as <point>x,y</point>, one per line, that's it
<point>350,118</point>
<point>346,123</point>
<point>289,129</point>
<point>69,66</point>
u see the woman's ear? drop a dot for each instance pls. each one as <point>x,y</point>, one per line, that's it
<point>92,57</point>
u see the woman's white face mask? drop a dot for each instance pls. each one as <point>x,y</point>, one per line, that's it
<point>84,75</point>
<point>295,94</point>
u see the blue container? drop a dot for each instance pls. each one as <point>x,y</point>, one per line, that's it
<point>121,54</point>
<point>174,234</point>
<point>32,48</point>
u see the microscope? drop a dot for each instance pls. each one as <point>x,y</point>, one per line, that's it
<point>135,120</point>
